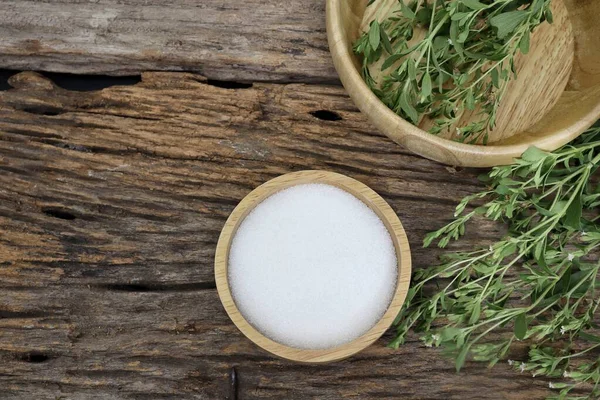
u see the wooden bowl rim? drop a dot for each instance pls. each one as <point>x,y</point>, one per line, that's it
<point>394,126</point>
<point>367,196</point>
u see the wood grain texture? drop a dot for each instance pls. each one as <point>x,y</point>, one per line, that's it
<point>243,40</point>
<point>111,204</point>
<point>362,192</point>
<point>576,109</point>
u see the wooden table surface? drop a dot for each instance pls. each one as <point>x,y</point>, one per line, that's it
<point>112,199</point>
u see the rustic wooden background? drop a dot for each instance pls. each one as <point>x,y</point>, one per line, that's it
<point>113,193</point>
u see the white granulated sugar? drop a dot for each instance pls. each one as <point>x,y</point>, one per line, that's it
<point>312,267</point>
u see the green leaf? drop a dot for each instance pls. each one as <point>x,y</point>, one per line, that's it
<point>524,43</point>
<point>475,313</point>
<point>537,6</point>
<point>460,339</point>
<point>533,154</point>
<point>423,16</point>
<point>426,85</point>
<point>495,78</point>
<point>563,283</point>
<point>548,15</point>
<point>385,41</point>
<point>485,178</point>
<point>460,358</point>
<point>412,69</point>
<point>406,10</point>
<point>454,38</point>
<point>449,333</point>
<point>590,236</point>
<point>440,42</point>
<point>429,238</point>
<point>408,108</point>
<point>473,4</point>
<point>572,218</point>
<point>540,256</point>
<point>507,22</point>
<point>589,337</point>
<point>374,35</point>
<point>391,60</point>
<point>509,210</point>
<point>470,99</point>
<point>521,326</point>
<point>508,250</point>
<point>440,82</point>
<point>459,15</point>
<point>576,281</point>
<point>502,189</point>
<point>557,207</point>
<point>559,385</point>
<point>476,56</point>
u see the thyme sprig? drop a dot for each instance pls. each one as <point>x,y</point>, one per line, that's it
<point>462,65</point>
<point>539,282</point>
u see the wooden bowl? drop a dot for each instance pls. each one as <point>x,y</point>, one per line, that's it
<point>555,98</point>
<point>367,196</point>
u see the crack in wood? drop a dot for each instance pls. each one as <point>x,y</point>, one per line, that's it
<point>42,110</point>
<point>59,213</point>
<point>5,314</point>
<point>233,384</point>
<point>74,82</point>
<point>157,287</point>
<point>88,82</point>
<point>228,84</point>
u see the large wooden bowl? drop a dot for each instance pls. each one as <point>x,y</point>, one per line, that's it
<point>367,196</point>
<point>560,108</point>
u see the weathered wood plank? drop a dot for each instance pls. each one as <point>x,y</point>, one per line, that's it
<point>111,203</point>
<point>243,40</point>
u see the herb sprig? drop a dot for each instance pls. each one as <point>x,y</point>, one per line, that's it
<point>540,280</point>
<point>462,65</point>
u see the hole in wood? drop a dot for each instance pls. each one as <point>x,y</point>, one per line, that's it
<point>228,84</point>
<point>58,213</point>
<point>70,146</point>
<point>326,115</point>
<point>43,110</point>
<point>34,357</point>
<point>5,74</point>
<point>86,83</point>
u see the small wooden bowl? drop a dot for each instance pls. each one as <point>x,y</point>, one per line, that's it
<point>367,196</point>
<point>564,55</point>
